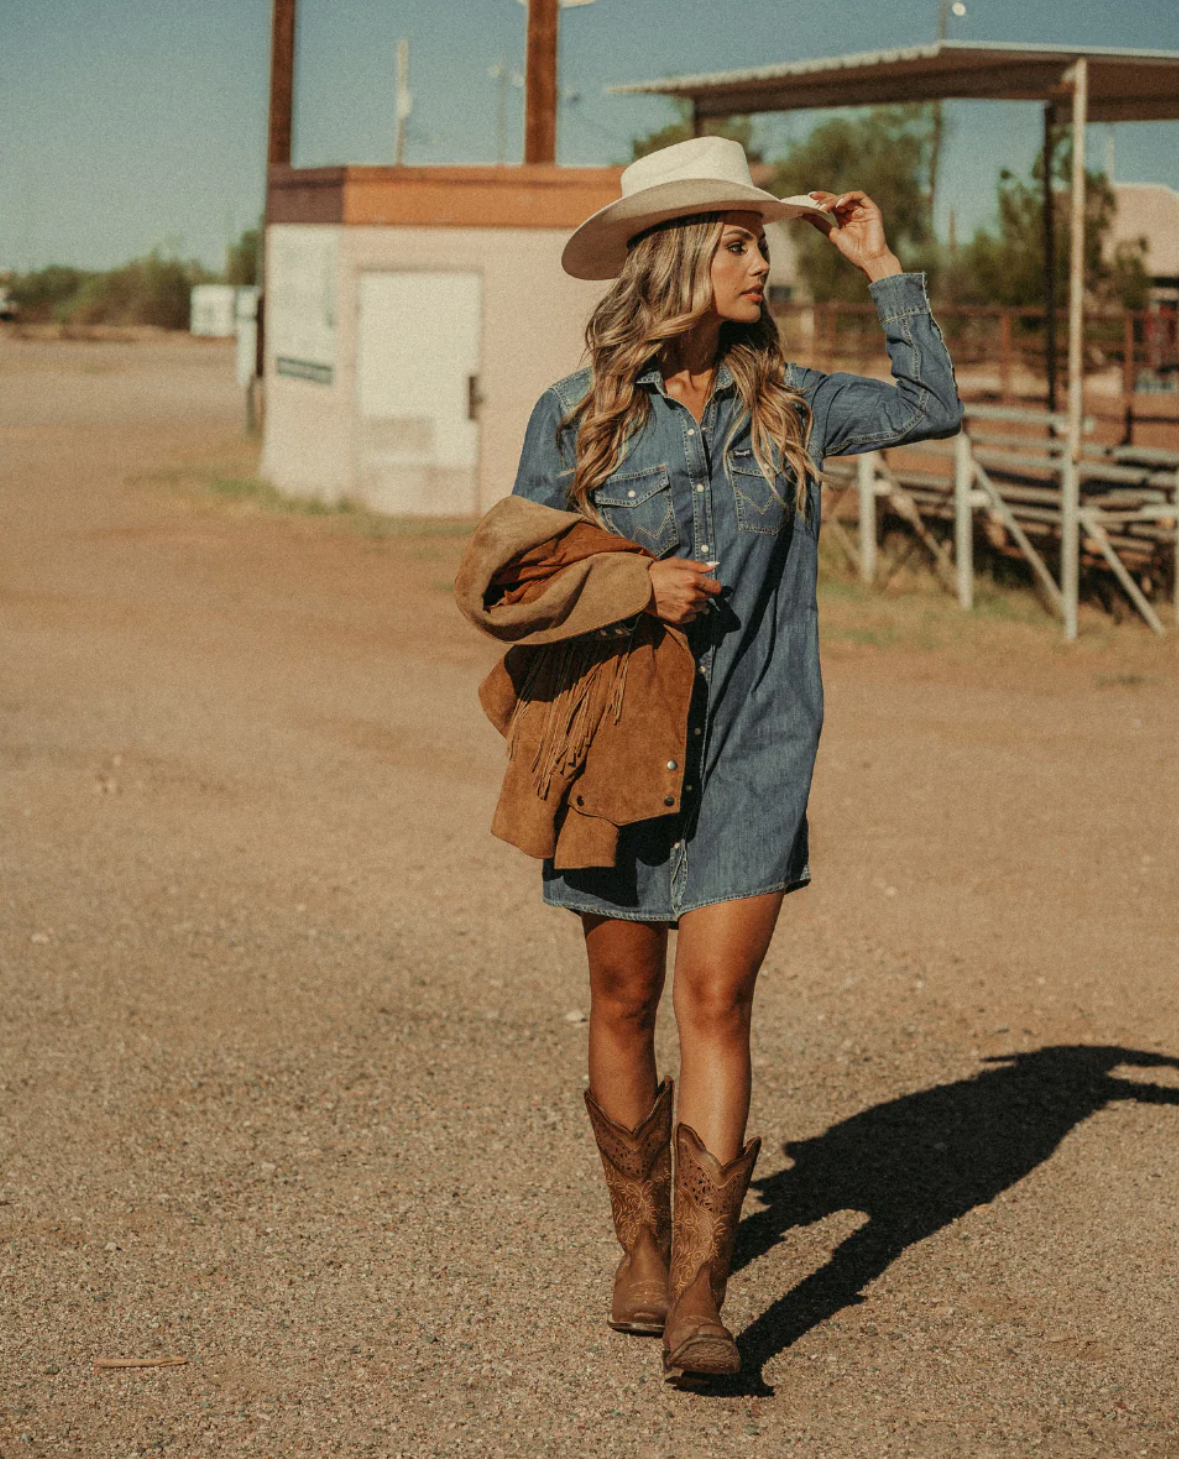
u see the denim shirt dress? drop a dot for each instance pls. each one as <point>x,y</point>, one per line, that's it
<point>757,707</point>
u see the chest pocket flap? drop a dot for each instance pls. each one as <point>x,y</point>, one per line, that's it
<point>638,505</point>
<point>762,506</point>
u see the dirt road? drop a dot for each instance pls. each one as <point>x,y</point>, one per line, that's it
<point>289,1084</point>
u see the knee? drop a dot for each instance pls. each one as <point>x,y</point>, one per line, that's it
<point>626,997</point>
<point>713,1003</point>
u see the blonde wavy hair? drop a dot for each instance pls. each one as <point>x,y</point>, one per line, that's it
<point>665,288</point>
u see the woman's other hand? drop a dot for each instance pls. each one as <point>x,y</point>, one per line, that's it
<point>860,235</point>
<point>680,589</point>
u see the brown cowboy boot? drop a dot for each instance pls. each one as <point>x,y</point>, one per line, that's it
<point>708,1199</point>
<point>638,1173</point>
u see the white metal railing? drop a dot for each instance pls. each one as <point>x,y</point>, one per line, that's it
<point>1026,485</point>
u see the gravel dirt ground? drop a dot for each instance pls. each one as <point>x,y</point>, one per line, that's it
<point>292,1053</point>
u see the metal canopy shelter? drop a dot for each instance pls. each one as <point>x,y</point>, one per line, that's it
<point>1077,84</point>
<point>1124,86</point>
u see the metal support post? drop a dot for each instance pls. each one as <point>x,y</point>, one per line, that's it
<point>1176,524</point>
<point>1049,259</point>
<point>1069,525</point>
<point>866,481</point>
<point>964,520</point>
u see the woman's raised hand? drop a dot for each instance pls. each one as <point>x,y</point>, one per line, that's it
<point>860,235</point>
<point>681,588</point>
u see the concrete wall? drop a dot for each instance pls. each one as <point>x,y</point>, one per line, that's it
<point>533,317</point>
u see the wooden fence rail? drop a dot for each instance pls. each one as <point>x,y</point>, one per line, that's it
<point>1142,344</point>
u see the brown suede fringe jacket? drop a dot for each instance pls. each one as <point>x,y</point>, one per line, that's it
<point>593,696</point>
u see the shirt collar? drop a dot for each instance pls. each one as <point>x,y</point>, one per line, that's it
<point>654,376</point>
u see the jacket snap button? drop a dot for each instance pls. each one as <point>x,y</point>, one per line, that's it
<point>669,800</point>
<point>673,764</point>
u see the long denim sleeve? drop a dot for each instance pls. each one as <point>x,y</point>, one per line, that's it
<point>853,413</point>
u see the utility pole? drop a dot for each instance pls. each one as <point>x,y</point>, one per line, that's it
<point>540,82</point>
<point>282,83</point>
<point>278,154</point>
<point>404,101</point>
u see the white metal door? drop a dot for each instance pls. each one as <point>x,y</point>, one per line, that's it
<point>417,392</point>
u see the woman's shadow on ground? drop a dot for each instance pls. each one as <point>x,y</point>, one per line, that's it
<point>915,1164</point>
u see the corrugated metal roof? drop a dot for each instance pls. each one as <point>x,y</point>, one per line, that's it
<point>1124,85</point>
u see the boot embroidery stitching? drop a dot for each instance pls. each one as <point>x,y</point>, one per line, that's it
<point>637,1204</point>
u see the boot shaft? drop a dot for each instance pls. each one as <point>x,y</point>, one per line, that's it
<point>708,1200</point>
<point>637,1166</point>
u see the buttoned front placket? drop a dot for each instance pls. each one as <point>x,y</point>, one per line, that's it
<point>698,438</point>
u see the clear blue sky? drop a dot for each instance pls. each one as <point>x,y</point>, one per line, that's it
<point>126,124</point>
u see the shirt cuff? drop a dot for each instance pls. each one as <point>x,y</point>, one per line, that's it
<point>900,295</point>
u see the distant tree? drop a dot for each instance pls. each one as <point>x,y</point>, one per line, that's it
<point>737,128</point>
<point>887,152</point>
<point>152,290</point>
<point>241,259</point>
<point>41,292</point>
<point>1007,267</point>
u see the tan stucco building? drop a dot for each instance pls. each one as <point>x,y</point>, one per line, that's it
<point>413,316</point>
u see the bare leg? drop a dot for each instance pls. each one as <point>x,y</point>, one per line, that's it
<point>718,957</point>
<point>627,965</point>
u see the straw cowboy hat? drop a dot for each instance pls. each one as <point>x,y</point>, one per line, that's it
<point>704,175</point>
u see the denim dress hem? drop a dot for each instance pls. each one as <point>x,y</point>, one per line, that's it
<point>619,914</point>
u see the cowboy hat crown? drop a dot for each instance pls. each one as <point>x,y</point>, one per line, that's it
<point>702,175</point>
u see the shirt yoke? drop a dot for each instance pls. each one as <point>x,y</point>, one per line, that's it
<point>572,389</point>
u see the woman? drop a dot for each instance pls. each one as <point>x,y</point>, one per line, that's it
<point>689,434</point>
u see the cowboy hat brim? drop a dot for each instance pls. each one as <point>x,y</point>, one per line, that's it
<point>597,250</point>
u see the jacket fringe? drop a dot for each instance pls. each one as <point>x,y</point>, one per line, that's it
<point>575,683</point>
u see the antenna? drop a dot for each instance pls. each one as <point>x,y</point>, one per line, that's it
<point>503,75</point>
<point>945,9</point>
<point>404,101</point>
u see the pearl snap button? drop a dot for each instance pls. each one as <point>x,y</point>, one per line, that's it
<point>630,493</point>
<point>697,731</point>
<point>700,486</point>
<point>704,547</point>
<point>691,433</point>
<point>673,765</point>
